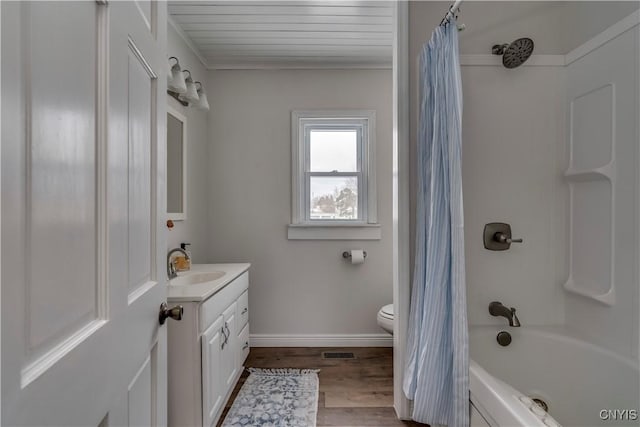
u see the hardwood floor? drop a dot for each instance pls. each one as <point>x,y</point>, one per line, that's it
<point>353,392</point>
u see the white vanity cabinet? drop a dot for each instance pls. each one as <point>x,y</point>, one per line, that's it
<point>206,353</point>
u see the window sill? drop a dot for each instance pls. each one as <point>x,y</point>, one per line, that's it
<point>334,232</point>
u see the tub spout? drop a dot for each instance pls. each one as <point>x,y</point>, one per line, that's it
<point>496,308</point>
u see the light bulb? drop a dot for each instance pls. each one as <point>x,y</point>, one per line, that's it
<point>203,103</point>
<point>191,94</point>
<point>177,82</point>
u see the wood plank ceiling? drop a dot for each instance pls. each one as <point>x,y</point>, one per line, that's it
<point>329,33</point>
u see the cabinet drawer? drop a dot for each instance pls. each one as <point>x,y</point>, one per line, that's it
<point>243,342</point>
<point>243,310</point>
<point>214,306</point>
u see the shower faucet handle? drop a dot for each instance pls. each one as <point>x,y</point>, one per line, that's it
<point>497,236</point>
<point>503,238</point>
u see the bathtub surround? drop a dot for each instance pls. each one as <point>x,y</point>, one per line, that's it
<point>436,374</point>
<point>516,134</point>
<point>519,118</point>
<point>602,110</point>
<point>303,292</point>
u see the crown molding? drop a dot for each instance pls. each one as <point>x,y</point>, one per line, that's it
<point>187,40</point>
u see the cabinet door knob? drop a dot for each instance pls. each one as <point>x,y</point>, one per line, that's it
<point>174,312</point>
<point>244,310</point>
<point>245,346</point>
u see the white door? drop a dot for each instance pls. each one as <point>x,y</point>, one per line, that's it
<point>82,188</point>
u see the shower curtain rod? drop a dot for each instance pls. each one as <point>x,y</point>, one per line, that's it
<point>451,12</point>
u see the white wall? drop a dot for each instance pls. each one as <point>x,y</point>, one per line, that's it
<point>194,228</point>
<point>513,155</point>
<point>297,287</point>
<point>616,62</point>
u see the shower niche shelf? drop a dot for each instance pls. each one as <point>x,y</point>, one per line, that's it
<point>591,177</point>
<point>596,174</point>
<point>591,234</point>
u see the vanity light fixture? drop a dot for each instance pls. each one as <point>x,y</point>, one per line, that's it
<point>176,83</point>
<point>191,94</point>
<point>203,103</point>
<point>183,88</point>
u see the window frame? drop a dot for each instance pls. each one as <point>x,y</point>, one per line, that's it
<point>308,126</point>
<point>303,122</point>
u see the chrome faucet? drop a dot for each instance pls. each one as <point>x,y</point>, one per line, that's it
<point>497,309</point>
<point>171,268</point>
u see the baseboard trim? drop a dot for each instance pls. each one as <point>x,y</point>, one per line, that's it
<point>321,340</point>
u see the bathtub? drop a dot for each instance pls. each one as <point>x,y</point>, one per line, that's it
<point>582,384</point>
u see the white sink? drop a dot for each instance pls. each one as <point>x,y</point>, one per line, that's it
<point>203,281</point>
<point>196,278</point>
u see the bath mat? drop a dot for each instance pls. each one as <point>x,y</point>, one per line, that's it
<point>276,398</point>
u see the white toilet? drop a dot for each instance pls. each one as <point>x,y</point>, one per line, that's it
<point>385,318</point>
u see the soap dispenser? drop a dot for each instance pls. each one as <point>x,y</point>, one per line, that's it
<point>183,263</point>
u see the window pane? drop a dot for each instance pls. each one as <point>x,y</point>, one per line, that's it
<point>333,150</point>
<point>334,198</point>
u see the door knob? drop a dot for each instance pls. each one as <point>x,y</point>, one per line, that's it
<point>174,312</point>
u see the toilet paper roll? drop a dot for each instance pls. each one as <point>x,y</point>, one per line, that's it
<point>357,256</point>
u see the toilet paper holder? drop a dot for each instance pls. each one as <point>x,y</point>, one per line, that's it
<point>347,254</point>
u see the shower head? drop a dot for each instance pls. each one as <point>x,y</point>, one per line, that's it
<point>516,53</point>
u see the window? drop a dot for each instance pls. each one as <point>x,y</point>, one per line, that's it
<point>333,182</point>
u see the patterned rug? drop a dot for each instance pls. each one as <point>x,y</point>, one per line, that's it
<point>276,398</point>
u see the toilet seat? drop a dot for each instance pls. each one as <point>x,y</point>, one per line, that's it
<point>387,312</point>
<point>385,318</point>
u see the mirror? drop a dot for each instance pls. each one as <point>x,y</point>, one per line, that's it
<point>176,165</point>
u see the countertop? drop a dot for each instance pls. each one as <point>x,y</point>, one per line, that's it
<point>203,291</point>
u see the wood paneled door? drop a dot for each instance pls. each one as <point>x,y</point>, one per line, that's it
<point>83,158</point>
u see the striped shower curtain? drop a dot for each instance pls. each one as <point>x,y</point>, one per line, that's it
<point>436,372</point>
